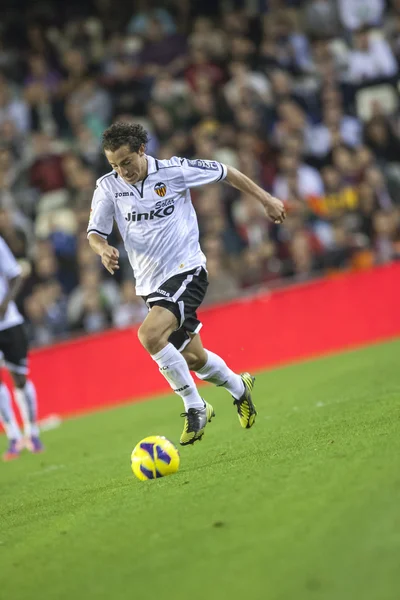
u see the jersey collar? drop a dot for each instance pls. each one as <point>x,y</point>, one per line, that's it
<point>152,167</point>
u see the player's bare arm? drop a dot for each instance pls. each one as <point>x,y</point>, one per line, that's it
<point>14,286</point>
<point>109,255</point>
<point>274,208</point>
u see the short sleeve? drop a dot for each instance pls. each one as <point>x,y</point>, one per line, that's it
<point>199,172</point>
<point>9,267</point>
<point>101,214</point>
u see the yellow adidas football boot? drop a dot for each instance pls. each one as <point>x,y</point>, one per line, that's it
<point>246,410</point>
<point>196,420</point>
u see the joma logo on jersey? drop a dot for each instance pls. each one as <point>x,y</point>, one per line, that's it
<point>123,194</point>
<point>161,189</point>
<point>161,213</point>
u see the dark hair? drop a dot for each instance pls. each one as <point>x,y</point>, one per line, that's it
<point>124,134</point>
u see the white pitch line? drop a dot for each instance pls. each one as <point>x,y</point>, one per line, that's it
<point>48,469</point>
<point>304,409</point>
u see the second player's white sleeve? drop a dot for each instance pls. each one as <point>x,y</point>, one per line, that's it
<point>101,214</point>
<point>9,267</point>
<point>200,172</point>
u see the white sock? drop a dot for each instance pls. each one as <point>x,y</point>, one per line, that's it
<point>26,400</point>
<point>217,371</point>
<point>7,415</point>
<point>175,370</point>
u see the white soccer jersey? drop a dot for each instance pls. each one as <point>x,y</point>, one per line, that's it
<point>155,217</point>
<point>9,268</point>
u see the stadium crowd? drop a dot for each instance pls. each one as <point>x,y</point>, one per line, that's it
<point>300,96</point>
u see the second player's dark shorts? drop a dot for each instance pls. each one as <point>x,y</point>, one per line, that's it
<point>14,349</point>
<point>182,295</point>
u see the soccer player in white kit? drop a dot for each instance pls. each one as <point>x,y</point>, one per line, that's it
<point>150,201</point>
<point>14,351</point>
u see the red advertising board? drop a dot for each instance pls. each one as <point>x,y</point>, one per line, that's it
<point>254,333</point>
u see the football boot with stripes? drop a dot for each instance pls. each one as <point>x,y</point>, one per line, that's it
<point>196,420</point>
<point>246,410</point>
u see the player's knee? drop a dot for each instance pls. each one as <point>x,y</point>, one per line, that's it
<point>151,339</point>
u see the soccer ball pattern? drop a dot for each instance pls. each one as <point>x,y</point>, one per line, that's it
<point>154,457</point>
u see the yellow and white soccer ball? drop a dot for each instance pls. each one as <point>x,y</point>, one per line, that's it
<point>154,457</point>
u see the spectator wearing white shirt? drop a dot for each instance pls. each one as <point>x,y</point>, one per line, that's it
<point>13,110</point>
<point>357,13</point>
<point>371,58</point>
<point>320,138</point>
<point>309,181</point>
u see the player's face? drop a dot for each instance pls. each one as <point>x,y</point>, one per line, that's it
<point>131,166</point>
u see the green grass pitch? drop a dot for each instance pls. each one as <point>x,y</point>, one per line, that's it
<point>304,505</point>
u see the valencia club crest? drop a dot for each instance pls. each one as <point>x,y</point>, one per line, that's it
<point>160,189</point>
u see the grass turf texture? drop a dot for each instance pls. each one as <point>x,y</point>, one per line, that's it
<point>304,505</point>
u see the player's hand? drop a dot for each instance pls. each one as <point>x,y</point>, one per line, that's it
<point>275,210</point>
<point>3,309</point>
<point>109,258</point>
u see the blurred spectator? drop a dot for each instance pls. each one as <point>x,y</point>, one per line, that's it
<point>335,127</point>
<point>39,72</point>
<point>90,304</point>
<point>89,104</point>
<point>131,309</point>
<point>321,18</point>
<point>381,139</point>
<point>385,225</point>
<point>208,38</point>
<point>161,49</point>
<point>284,44</point>
<point>306,179</point>
<point>371,58</point>
<point>75,65</point>
<point>245,84</point>
<point>147,11</point>
<point>201,69</point>
<point>223,285</point>
<point>45,309</point>
<point>358,13</point>
<point>12,108</point>
<point>392,28</point>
